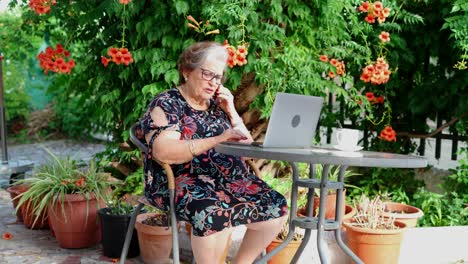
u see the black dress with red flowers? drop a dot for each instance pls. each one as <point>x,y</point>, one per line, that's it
<point>213,191</point>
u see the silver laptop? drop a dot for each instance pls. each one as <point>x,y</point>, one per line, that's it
<point>293,121</point>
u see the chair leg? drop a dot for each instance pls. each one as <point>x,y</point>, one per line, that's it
<point>128,236</point>
<point>175,233</point>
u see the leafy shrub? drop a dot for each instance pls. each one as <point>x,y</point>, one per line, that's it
<point>400,183</point>
<point>451,207</point>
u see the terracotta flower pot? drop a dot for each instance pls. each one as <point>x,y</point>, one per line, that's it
<point>286,254</point>
<point>29,217</point>
<point>330,206</point>
<point>77,226</point>
<point>349,212</point>
<point>404,213</point>
<point>155,241</point>
<point>14,191</point>
<point>375,246</point>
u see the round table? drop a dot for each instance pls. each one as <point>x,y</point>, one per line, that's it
<point>326,156</point>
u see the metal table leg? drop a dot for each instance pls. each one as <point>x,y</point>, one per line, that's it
<point>338,214</point>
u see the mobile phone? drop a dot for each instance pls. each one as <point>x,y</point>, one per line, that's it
<point>215,95</point>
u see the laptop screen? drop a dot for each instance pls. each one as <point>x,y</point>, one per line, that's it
<point>293,121</point>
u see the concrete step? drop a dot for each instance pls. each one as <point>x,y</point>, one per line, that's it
<point>428,245</point>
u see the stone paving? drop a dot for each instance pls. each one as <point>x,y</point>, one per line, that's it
<point>37,154</point>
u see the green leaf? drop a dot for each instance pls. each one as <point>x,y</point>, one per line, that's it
<point>172,77</point>
<point>182,7</point>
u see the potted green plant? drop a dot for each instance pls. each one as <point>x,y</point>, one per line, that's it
<point>71,196</point>
<point>114,223</point>
<point>373,237</point>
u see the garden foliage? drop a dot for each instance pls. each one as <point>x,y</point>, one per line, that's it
<point>126,52</point>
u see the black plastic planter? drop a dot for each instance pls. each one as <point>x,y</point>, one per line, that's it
<point>113,230</point>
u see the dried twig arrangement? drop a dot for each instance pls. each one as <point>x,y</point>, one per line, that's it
<point>370,214</point>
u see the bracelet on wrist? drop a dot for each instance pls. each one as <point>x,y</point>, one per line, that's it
<point>192,147</point>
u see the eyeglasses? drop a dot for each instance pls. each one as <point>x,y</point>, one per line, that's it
<point>209,76</point>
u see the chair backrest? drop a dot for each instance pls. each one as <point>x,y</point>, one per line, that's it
<point>136,141</point>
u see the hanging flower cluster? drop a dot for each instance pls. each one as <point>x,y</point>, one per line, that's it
<point>340,67</point>
<point>388,134</point>
<point>375,99</point>
<point>201,27</point>
<point>118,56</point>
<point>54,60</point>
<point>377,73</point>
<point>237,56</point>
<point>41,6</point>
<point>374,10</point>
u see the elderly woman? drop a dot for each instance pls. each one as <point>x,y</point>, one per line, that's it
<point>214,192</point>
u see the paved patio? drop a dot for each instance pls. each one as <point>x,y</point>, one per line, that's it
<point>440,245</point>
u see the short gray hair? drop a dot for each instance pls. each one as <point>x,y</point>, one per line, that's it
<point>196,54</point>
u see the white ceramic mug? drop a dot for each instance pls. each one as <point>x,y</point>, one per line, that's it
<point>347,138</point>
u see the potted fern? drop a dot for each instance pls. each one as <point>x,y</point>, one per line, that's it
<point>374,238</point>
<point>71,196</point>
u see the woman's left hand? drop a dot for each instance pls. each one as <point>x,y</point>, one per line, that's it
<point>225,100</point>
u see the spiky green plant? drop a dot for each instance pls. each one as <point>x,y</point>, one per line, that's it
<point>59,177</point>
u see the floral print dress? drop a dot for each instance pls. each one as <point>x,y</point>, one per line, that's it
<point>213,191</point>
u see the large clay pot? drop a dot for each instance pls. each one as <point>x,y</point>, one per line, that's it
<point>286,254</point>
<point>29,217</point>
<point>155,241</point>
<point>77,225</point>
<point>14,191</point>
<point>375,246</point>
<point>404,213</point>
<point>330,206</point>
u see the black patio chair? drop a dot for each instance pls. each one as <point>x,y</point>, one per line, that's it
<point>142,201</point>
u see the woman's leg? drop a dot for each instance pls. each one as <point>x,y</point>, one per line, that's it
<point>257,238</point>
<point>210,249</point>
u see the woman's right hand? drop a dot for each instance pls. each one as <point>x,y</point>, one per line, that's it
<point>232,135</point>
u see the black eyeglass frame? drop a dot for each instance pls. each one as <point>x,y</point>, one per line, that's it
<point>208,75</point>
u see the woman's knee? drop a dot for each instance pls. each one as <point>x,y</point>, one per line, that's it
<point>273,224</point>
<point>210,249</point>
